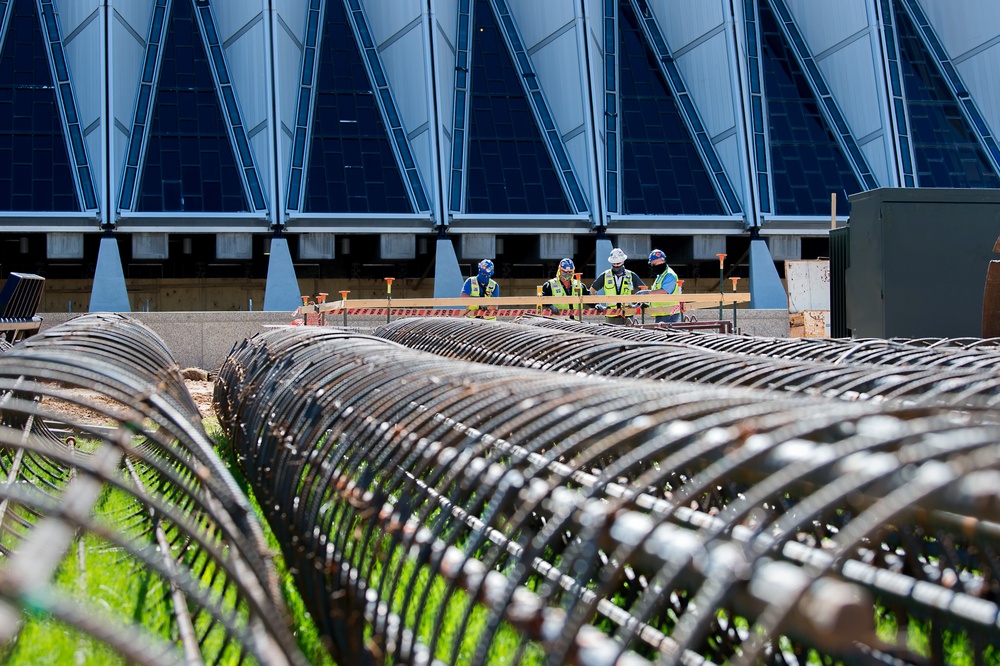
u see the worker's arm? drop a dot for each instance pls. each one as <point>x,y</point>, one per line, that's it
<point>669,283</point>
<point>467,289</point>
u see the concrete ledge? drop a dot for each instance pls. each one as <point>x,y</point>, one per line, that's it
<point>760,323</point>
<point>196,339</point>
<point>205,339</point>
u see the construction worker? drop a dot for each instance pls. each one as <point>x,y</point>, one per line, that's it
<point>563,284</point>
<point>616,280</point>
<point>482,286</point>
<point>667,311</point>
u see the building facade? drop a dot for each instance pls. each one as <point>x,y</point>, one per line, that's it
<point>363,131</point>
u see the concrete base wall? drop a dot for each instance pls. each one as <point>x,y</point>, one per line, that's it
<point>196,339</point>
<point>205,339</point>
<point>760,323</point>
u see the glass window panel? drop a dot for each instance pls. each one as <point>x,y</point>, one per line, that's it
<point>948,152</point>
<point>514,173</point>
<point>35,167</point>
<point>350,156</point>
<point>803,148</point>
<point>189,164</point>
<point>657,150</point>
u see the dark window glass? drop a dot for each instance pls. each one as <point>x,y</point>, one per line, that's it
<point>662,173</point>
<point>190,165</point>
<point>807,163</point>
<point>352,168</point>
<point>509,169</point>
<point>947,151</point>
<point>35,172</point>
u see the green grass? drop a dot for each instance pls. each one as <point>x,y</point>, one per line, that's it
<point>304,628</point>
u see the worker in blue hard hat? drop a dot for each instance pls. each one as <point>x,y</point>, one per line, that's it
<point>563,284</point>
<point>482,285</point>
<point>616,280</point>
<point>668,310</point>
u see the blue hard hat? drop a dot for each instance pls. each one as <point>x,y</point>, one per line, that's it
<point>656,255</point>
<point>566,265</point>
<point>486,268</point>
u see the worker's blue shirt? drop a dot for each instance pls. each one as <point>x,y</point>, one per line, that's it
<point>668,284</point>
<point>467,287</point>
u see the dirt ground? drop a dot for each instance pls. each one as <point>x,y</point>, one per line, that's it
<point>200,390</point>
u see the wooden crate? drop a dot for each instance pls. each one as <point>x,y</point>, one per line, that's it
<point>809,324</point>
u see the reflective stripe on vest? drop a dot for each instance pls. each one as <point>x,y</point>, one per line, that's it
<point>474,292</point>
<point>611,288</point>
<point>556,285</point>
<point>662,308</point>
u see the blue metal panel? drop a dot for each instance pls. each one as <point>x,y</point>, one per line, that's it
<point>760,146</point>
<point>946,122</point>
<point>304,105</point>
<point>662,168</point>
<point>189,163</point>
<point>388,107</point>
<point>67,101</point>
<point>509,169</point>
<point>144,104</point>
<point>613,152</point>
<point>540,106</point>
<point>463,44</point>
<point>897,109</point>
<point>807,161</point>
<point>233,115</point>
<point>689,112</point>
<point>36,168</point>
<point>351,164</point>
<point>822,92</point>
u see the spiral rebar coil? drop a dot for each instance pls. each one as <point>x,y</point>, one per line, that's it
<point>185,535</point>
<point>946,353</point>
<point>583,348</point>
<point>467,513</point>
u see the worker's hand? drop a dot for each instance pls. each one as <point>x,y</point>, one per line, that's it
<point>600,307</point>
<point>642,292</point>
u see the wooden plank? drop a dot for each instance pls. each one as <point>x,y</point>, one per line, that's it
<point>530,302</point>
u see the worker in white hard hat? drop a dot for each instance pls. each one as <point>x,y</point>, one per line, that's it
<point>616,280</point>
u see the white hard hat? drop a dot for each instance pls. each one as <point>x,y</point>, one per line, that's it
<point>617,256</point>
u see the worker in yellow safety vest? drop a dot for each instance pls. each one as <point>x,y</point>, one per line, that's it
<point>616,280</point>
<point>482,285</point>
<point>666,311</point>
<point>563,284</point>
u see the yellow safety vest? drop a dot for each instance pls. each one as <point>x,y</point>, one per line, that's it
<point>611,288</point>
<point>663,308</point>
<point>474,292</point>
<point>558,290</point>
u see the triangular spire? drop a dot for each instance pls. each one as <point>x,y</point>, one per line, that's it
<point>190,164</point>
<point>509,169</point>
<point>806,161</point>
<point>352,168</point>
<point>946,149</point>
<point>661,171</point>
<point>35,173</point>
